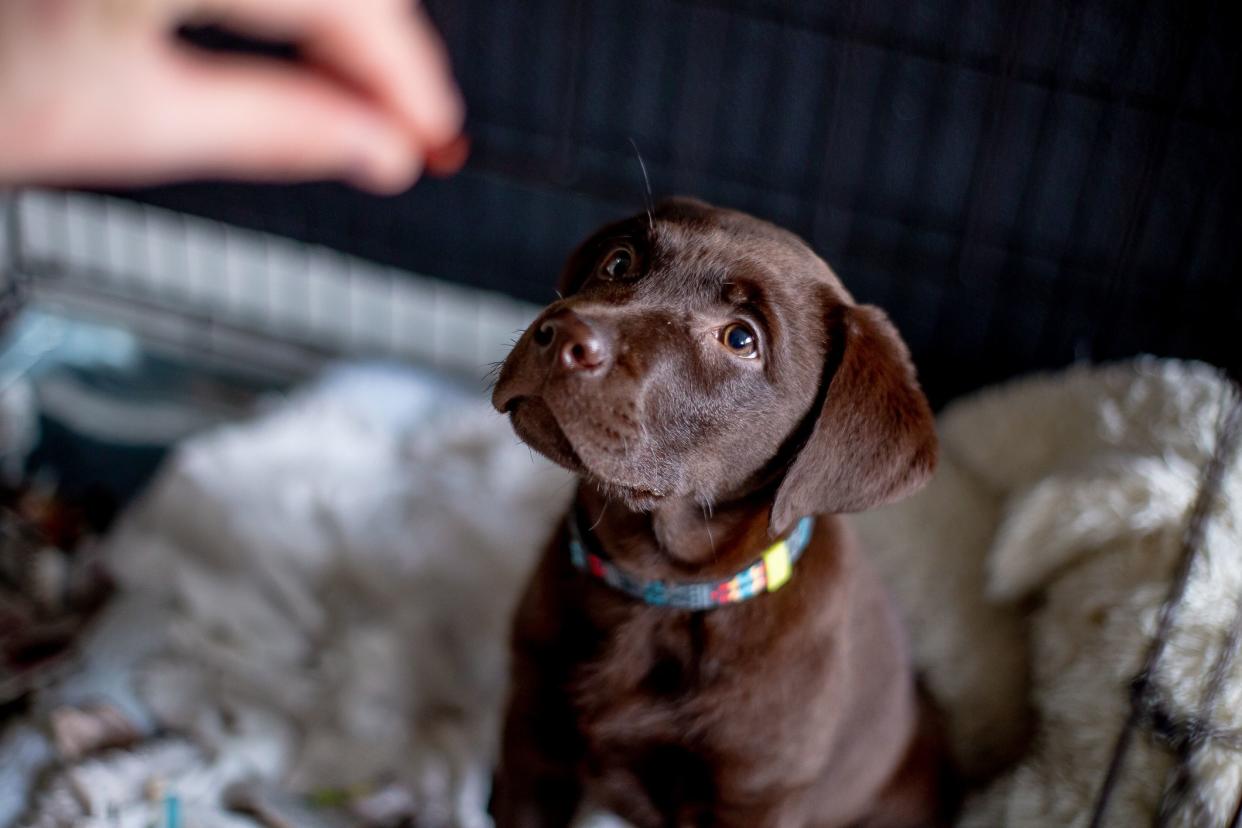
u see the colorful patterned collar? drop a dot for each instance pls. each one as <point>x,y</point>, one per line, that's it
<point>768,574</point>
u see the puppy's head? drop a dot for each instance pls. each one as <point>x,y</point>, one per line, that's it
<point>703,353</point>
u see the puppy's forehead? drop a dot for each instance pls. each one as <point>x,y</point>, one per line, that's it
<point>705,249</point>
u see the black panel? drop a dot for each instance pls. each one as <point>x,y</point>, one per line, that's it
<point>1019,183</point>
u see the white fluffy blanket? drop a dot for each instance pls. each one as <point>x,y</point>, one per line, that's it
<point>1032,571</point>
<point>319,598</point>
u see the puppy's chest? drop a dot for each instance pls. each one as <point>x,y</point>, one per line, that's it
<point>669,678</point>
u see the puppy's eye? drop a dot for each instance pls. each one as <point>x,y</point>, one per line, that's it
<point>618,263</point>
<point>740,339</point>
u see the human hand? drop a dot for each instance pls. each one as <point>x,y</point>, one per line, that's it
<point>102,92</point>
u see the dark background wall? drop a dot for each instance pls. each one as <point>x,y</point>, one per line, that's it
<point>1020,184</point>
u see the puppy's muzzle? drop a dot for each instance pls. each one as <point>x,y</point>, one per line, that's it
<point>568,342</point>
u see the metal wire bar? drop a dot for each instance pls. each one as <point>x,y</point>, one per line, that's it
<point>1191,736</point>
<point>1145,707</point>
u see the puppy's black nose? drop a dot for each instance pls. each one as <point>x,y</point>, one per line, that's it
<point>573,342</point>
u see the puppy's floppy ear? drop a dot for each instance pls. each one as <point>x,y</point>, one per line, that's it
<point>874,440</point>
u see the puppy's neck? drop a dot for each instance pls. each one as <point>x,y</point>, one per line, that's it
<point>679,537</point>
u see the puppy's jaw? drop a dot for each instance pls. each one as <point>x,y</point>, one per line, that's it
<point>590,450</point>
<point>535,424</point>
<point>568,426</point>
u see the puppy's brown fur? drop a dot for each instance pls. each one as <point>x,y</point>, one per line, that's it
<point>795,708</point>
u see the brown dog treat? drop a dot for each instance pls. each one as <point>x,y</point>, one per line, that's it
<point>713,383</point>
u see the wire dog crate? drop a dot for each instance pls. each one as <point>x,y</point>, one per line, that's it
<point>1019,184</point>
<point>216,291</point>
<point>140,325</point>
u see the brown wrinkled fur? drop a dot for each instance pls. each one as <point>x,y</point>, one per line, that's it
<point>795,709</point>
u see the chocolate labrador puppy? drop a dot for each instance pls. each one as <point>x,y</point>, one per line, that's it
<point>702,643</point>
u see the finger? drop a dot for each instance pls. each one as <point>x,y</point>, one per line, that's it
<point>385,48</point>
<point>256,119</point>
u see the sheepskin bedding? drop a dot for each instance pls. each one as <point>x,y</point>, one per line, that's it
<point>1032,572</point>
<point>315,602</point>
<point>318,599</point>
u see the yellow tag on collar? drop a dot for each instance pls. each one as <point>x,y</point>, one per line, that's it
<point>776,566</point>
